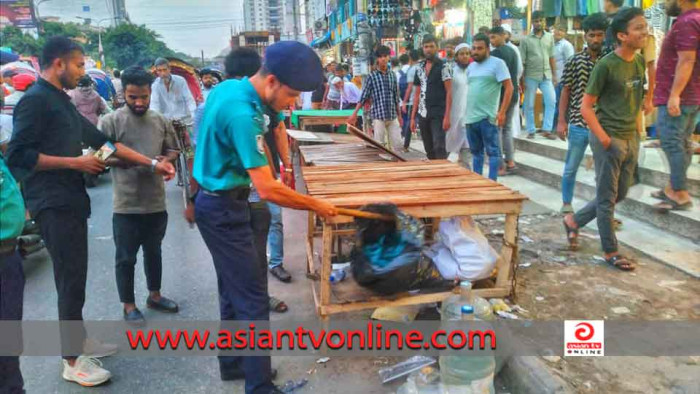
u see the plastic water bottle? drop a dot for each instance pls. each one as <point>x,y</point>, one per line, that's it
<point>468,374</point>
<point>482,309</point>
<point>338,276</point>
<point>452,306</point>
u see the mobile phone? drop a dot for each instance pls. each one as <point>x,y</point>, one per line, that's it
<point>105,151</point>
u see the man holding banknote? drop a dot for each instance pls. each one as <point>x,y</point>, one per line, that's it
<point>46,153</point>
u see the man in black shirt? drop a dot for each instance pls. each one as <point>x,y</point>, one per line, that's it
<point>46,153</point>
<point>502,51</point>
<point>433,95</point>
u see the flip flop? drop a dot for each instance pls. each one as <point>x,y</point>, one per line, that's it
<point>621,262</point>
<point>667,205</point>
<point>658,194</point>
<point>571,236</point>
<point>277,305</point>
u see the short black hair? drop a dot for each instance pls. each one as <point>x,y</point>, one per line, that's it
<point>483,30</point>
<point>394,62</point>
<point>382,50</point>
<point>85,81</point>
<point>116,73</point>
<point>498,30</point>
<point>483,38</point>
<point>537,15</point>
<point>428,38</point>
<point>161,61</point>
<point>58,47</point>
<point>597,21</point>
<point>136,76</point>
<point>414,55</point>
<point>621,21</point>
<point>242,62</point>
<point>403,59</point>
<point>617,3</point>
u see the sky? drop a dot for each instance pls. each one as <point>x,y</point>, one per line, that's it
<point>188,26</point>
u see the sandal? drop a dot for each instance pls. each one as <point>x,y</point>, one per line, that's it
<point>658,194</point>
<point>667,205</point>
<point>621,262</point>
<point>277,305</point>
<point>617,224</point>
<point>571,236</point>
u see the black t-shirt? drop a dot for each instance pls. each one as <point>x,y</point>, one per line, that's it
<point>46,122</point>
<point>508,55</point>
<point>270,136</point>
<point>317,95</point>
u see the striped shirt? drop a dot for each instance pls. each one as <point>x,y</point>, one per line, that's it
<point>383,89</point>
<point>575,76</point>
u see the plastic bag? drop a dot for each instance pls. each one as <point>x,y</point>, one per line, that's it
<point>387,256</point>
<point>462,251</point>
<point>405,367</point>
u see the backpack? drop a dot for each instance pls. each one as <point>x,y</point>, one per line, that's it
<point>403,83</point>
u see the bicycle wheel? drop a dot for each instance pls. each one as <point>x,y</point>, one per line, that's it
<point>185,178</point>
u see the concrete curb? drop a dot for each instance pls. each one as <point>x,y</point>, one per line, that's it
<point>530,375</point>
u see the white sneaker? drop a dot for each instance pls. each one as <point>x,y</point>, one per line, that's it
<point>87,372</point>
<point>96,349</point>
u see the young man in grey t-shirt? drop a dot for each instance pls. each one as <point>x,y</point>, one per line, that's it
<point>140,216</point>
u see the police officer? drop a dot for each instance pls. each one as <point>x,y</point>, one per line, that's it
<point>230,154</point>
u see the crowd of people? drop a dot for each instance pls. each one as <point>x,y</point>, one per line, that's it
<point>466,107</point>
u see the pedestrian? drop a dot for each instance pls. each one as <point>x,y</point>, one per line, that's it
<point>395,67</point>
<point>90,104</point>
<point>537,51</point>
<point>563,51</point>
<point>616,88</point>
<point>171,96</point>
<point>11,279</point>
<point>45,152</point>
<point>140,218</point>
<point>449,47</point>
<point>210,78</point>
<point>118,89</point>
<point>382,89</point>
<point>407,102</point>
<point>509,56</point>
<point>516,124</point>
<point>433,84</point>
<point>21,83</point>
<point>574,81</point>
<point>333,94</point>
<point>677,95</point>
<point>230,154</point>
<point>486,106</point>
<point>456,138</point>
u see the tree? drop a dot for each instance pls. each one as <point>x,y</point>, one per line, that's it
<point>20,42</point>
<point>127,45</point>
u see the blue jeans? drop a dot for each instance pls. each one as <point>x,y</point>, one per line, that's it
<point>549,98</point>
<point>675,133</point>
<point>578,141</point>
<point>483,135</point>
<point>225,226</point>
<point>275,238</point>
<point>557,92</point>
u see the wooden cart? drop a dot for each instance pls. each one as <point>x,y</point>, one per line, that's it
<point>430,190</point>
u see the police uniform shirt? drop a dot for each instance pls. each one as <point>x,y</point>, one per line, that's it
<point>230,139</point>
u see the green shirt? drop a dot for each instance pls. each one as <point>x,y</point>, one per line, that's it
<point>535,52</point>
<point>230,139</point>
<point>484,94</point>
<point>11,205</point>
<point>619,87</point>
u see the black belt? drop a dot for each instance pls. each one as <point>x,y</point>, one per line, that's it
<point>236,194</point>
<point>8,246</point>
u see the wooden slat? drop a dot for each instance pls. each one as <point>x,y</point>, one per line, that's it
<point>423,200</point>
<point>407,185</point>
<point>396,165</point>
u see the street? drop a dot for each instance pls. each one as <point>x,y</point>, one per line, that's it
<point>189,279</point>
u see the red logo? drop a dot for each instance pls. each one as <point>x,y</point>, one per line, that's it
<point>584,331</point>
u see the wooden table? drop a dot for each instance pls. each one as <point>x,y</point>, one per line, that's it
<point>341,154</point>
<point>430,190</point>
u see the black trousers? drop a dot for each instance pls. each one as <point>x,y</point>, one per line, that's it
<point>11,297</point>
<point>260,219</point>
<point>65,234</point>
<point>132,232</point>
<point>433,137</point>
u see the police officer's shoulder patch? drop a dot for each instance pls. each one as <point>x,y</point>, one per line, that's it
<point>260,143</point>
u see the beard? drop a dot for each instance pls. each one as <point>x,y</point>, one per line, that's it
<point>66,82</point>
<point>673,9</point>
<point>138,111</point>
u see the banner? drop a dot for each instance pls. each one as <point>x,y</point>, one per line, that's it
<point>18,13</point>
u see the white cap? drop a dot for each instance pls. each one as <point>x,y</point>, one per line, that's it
<point>507,28</point>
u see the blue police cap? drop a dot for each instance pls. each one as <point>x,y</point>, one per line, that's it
<point>295,65</point>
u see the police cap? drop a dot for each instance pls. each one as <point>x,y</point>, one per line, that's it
<point>295,65</point>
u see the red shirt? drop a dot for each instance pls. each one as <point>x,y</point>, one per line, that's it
<point>683,36</point>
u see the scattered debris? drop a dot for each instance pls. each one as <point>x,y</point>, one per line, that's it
<point>291,385</point>
<point>552,359</point>
<point>620,310</point>
<point>507,315</point>
<point>311,371</point>
<point>526,239</point>
<point>671,284</point>
<point>401,314</point>
<point>405,367</point>
<point>598,259</point>
<point>519,309</point>
<point>340,266</point>
<point>497,232</point>
<point>323,360</point>
<point>499,305</point>
<point>381,361</point>
<point>524,265</point>
<point>539,298</point>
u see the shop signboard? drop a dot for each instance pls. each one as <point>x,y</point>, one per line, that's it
<point>18,13</point>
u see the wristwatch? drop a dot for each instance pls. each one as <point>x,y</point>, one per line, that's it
<point>154,163</point>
